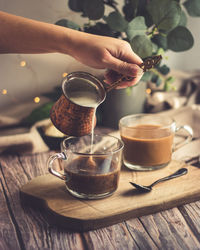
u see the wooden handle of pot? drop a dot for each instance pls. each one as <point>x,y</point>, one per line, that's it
<point>148,63</point>
<point>116,83</point>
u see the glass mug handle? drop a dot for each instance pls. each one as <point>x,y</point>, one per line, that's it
<point>50,161</point>
<point>189,130</point>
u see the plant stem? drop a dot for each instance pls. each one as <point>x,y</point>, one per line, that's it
<point>154,31</point>
<point>111,3</point>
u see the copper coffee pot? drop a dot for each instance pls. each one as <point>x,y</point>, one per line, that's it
<point>74,112</point>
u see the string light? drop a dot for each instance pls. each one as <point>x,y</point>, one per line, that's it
<point>148,91</point>
<point>4,91</point>
<point>23,63</point>
<point>64,74</point>
<point>36,99</point>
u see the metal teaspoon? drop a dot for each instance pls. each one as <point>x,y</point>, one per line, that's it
<point>180,172</point>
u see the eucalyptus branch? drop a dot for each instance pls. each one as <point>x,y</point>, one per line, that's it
<point>132,25</point>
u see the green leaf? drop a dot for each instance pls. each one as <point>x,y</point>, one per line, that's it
<point>170,79</point>
<point>158,82</point>
<point>183,19</point>
<point>161,41</point>
<point>168,83</point>
<point>129,90</point>
<point>154,48</point>
<point>164,13</point>
<point>94,9</point>
<point>68,23</point>
<point>76,5</point>
<point>130,9</point>
<point>39,113</point>
<point>116,21</point>
<point>142,11</point>
<point>167,86</point>
<point>180,39</point>
<point>160,51</point>
<point>192,7</point>
<point>156,79</point>
<point>142,46</point>
<point>146,76</point>
<point>164,69</point>
<point>136,27</point>
<point>100,29</point>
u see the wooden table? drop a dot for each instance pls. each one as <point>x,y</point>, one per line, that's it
<point>25,228</point>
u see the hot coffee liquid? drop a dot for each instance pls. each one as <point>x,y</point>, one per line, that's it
<point>85,177</point>
<point>147,145</point>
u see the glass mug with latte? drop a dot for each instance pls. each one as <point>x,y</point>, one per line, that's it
<point>149,140</point>
<point>91,165</point>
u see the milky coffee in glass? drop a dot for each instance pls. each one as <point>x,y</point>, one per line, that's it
<point>148,140</point>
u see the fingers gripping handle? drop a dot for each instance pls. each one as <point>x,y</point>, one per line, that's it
<point>148,63</point>
<point>50,162</point>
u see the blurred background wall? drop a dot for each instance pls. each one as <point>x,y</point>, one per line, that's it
<point>27,76</point>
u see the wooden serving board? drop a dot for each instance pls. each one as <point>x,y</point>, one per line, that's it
<point>49,193</point>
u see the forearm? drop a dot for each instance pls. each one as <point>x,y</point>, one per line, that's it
<point>22,35</point>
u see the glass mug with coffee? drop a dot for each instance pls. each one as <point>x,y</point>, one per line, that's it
<point>149,140</point>
<point>91,165</point>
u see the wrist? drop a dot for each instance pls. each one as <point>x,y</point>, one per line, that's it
<point>70,41</point>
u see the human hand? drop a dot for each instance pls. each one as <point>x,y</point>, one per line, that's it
<point>99,52</point>
<point>112,54</point>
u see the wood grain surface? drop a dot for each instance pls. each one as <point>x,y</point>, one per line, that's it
<point>24,227</point>
<point>50,193</point>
